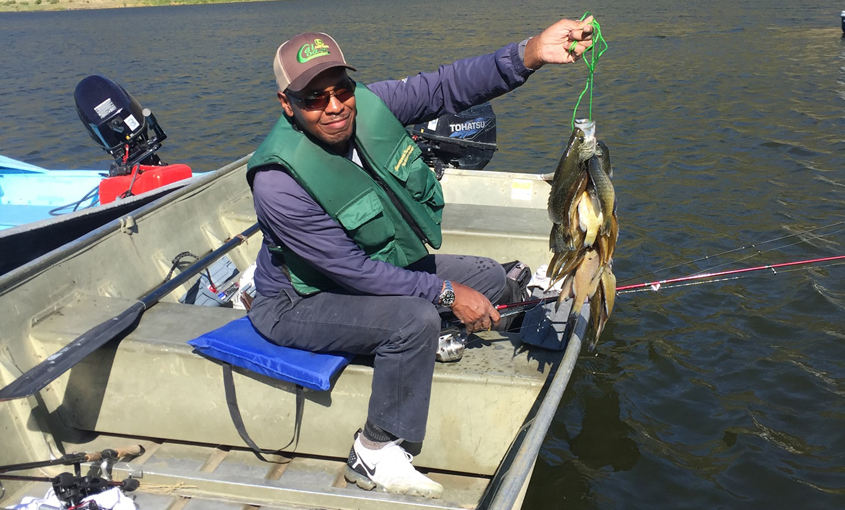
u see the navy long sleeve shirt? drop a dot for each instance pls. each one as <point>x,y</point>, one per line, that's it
<point>288,215</point>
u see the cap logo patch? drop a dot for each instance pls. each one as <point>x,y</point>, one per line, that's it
<point>311,51</point>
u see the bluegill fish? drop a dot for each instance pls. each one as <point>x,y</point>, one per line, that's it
<point>604,191</point>
<point>569,182</point>
<point>601,305</point>
<point>582,207</point>
<point>603,154</point>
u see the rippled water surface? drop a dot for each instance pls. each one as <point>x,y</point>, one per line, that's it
<point>725,120</point>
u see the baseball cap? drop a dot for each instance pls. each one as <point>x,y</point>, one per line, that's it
<point>301,58</point>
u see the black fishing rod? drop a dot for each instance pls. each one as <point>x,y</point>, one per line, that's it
<point>78,458</point>
<point>85,483</point>
<point>69,488</point>
<point>51,368</point>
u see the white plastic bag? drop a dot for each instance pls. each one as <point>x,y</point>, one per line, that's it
<point>112,499</point>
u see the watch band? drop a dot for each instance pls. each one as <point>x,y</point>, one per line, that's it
<point>447,297</point>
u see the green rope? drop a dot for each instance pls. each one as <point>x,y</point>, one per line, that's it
<point>596,50</point>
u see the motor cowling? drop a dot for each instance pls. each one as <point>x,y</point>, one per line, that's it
<point>121,127</point>
<point>462,140</point>
<point>118,124</point>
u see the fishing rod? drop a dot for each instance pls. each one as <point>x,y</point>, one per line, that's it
<point>78,458</point>
<point>72,488</point>
<point>735,250</point>
<point>657,284</point>
<point>84,484</point>
<point>73,492</point>
<point>508,309</point>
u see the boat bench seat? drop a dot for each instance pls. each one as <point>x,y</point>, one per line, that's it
<point>495,231</point>
<point>152,384</point>
<point>241,345</point>
<point>524,222</point>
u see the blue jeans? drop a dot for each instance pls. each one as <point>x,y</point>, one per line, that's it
<point>400,332</point>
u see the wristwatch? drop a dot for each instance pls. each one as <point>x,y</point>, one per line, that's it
<point>447,297</point>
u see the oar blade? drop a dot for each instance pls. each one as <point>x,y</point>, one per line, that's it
<point>54,366</point>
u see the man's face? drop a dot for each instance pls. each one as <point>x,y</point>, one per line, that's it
<point>333,124</point>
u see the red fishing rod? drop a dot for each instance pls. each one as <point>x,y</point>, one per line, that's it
<point>656,284</point>
<point>514,308</point>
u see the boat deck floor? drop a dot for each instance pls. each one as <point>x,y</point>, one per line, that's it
<point>176,476</point>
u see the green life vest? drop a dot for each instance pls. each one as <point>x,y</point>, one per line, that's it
<point>353,197</point>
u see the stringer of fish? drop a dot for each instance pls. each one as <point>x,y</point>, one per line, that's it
<point>582,207</point>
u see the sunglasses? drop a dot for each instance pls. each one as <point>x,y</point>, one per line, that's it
<point>320,100</point>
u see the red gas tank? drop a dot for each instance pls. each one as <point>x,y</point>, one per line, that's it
<point>143,179</point>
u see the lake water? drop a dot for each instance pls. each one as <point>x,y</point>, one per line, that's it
<point>725,121</point>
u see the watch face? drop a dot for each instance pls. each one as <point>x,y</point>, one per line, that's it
<point>447,297</point>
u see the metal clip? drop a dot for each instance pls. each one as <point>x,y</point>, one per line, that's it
<point>127,225</point>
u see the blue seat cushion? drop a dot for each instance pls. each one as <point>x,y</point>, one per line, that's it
<point>240,344</point>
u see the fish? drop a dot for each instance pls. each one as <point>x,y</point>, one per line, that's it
<point>604,191</point>
<point>603,154</point>
<point>585,280</point>
<point>590,218</point>
<point>601,305</point>
<point>583,209</point>
<point>569,182</point>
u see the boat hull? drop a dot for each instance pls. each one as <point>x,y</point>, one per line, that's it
<point>149,387</point>
<point>29,240</point>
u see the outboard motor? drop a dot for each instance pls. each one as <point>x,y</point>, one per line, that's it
<point>465,140</point>
<point>116,121</point>
<point>118,124</point>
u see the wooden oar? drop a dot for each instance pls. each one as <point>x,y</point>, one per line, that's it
<point>54,366</point>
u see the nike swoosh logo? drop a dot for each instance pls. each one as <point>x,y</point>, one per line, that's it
<point>370,471</point>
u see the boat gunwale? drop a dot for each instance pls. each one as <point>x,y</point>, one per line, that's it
<point>519,473</point>
<point>31,269</point>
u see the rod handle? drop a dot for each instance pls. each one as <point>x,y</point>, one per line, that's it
<point>118,453</point>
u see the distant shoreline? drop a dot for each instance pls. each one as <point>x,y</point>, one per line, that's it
<point>73,5</point>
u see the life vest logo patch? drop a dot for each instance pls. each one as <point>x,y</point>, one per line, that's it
<point>403,159</point>
<point>311,51</point>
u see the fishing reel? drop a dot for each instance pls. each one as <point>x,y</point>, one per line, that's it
<point>451,343</point>
<point>72,489</point>
<point>118,124</point>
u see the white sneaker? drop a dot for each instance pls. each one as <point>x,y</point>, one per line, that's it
<point>388,470</point>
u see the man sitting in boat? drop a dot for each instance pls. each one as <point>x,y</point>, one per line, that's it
<point>347,207</point>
